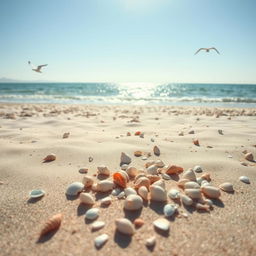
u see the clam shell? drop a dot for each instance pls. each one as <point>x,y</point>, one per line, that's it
<point>189,174</point>
<point>162,224</point>
<point>156,150</point>
<point>138,222</point>
<point>142,181</point>
<point>199,180</point>
<point>166,176</point>
<point>197,169</point>
<point>249,156</point>
<point>36,193</point>
<point>103,170</point>
<point>83,170</point>
<point>99,241</point>
<point>193,193</point>
<point>74,188</point>
<point>147,164</point>
<point>211,192</point>
<point>196,142</point>
<point>130,191</point>
<point>120,179</point>
<point>208,202</point>
<point>92,214</point>
<point>151,242</point>
<point>52,224</point>
<point>227,187</point>
<point>138,153</point>
<point>152,170</point>
<point>97,225</point>
<point>106,200</point>
<point>86,198</point>
<point>186,200</point>
<point>205,183</point>
<point>66,135</point>
<point>169,210</point>
<point>131,171</point>
<point>159,163</point>
<point>191,184</point>
<point>244,179</point>
<point>50,158</point>
<point>141,174</point>
<point>181,183</point>
<point>105,185</point>
<point>153,178</point>
<point>124,226</point>
<point>157,193</point>
<point>125,158</point>
<point>87,181</point>
<point>133,202</point>
<point>160,183</point>
<point>173,169</point>
<point>206,176</point>
<point>116,192</point>
<point>173,194</point>
<point>121,195</point>
<point>137,133</point>
<point>143,192</point>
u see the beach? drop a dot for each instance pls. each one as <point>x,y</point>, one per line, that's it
<point>29,132</point>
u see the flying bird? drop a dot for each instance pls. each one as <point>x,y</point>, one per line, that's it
<point>38,69</point>
<point>207,50</point>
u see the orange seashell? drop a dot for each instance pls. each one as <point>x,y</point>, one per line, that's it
<point>50,158</point>
<point>120,179</point>
<point>153,178</point>
<point>138,153</point>
<point>174,169</point>
<point>196,142</point>
<point>138,222</point>
<point>206,176</point>
<point>137,133</point>
<point>52,224</point>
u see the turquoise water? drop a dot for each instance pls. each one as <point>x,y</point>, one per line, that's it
<point>222,95</point>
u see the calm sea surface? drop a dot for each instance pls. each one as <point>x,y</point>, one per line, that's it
<point>219,95</point>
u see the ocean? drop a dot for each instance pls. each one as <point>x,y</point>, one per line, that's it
<point>185,94</point>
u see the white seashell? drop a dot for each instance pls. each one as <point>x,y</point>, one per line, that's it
<point>141,174</point>
<point>144,158</point>
<point>159,163</point>
<point>181,183</point>
<point>99,241</point>
<point>152,170</point>
<point>121,195</point>
<point>157,193</point>
<point>124,226</point>
<point>105,185</point>
<point>133,202</point>
<point>36,193</point>
<point>150,242</point>
<point>116,192</point>
<point>92,214</point>
<point>156,150</point>
<point>130,191</point>
<point>143,192</point>
<point>94,187</point>
<point>227,187</point>
<point>103,170</point>
<point>160,183</point>
<point>211,192</point>
<point>162,224</point>
<point>132,171</point>
<point>165,176</point>
<point>169,210</point>
<point>193,193</point>
<point>125,158</point>
<point>74,188</point>
<point>83,170</point>
<point>197,169</point>
<point>244,179</point>
<point>199,180</point>
<point>205,183</point>
<point>97,225</point>
<point>124,167</point>
<point>142,181</point>
<point>189,174</point>
<point>106,200</point>
<point>87,181</point>
<point>86,198</point>
<point>186,200</point>
<point>208,202</point>
<point>173,194</point>
<point>191,184</point>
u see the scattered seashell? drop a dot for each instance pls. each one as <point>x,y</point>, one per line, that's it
<point>120,179</point>
<point>151,162</point>
<point>103,170</point>
<point>106,200</point>
<point>186,200</point>
<point>74,188</point>
<point>181,183</point>
<point>138,153</point>
<point>191,132</point>
<point>159,163</point>
<point>193,193</point>
<point>211,192</point>
<point>173,194</point>
<point>249,157</point>
<point>137,133</point>
<point>142,181</point>
<point>124,226</point>
<point>151,242</point>
<point>197,169</point>
<point>50,158</point>
<point>133,202</point>
<point>99,241</point>
<point>124,167</point>
<point>66,135</point>
<point>244,179</point>
<point>152,170</point>
<point>86,198</point>
<point>204,207</point>
<point>97,225</point>
<point>156,150</point>
<point>220,132</point>
<point>121,195</point>
<point>208,202</point>
<point>165,176</point>
<point>83,170</point>
<point>130,191</point>
<point>181,133</point>
<point>153,178</point>
<point>160,183</point>
<point>52,224</point>
<point>196,142</point>
<point>138,222</point>
<point>227,187</point>
<point>189,174</point>
<point>128,134</point>
<point>191,184</point>
<point>131,171</point>
<point>125,158</point>
<point>174,169</point>
<point>94,187</point>
<point>142,135</point>
<point>116,191</point>
<point>36,193</point>
<point>157,193</point>
<point>199,180</point>
<point>87,181</point>
<point>90,159</point>
<point>162,224</point>
<point>169,210</point>
<point>152,140</point>
<point>92,214</point>
<point>143,192</point>
<point>141,174</point>
<point>206,176</point>
<point>229,156</point>
<point>205,183</point>
<point>144,158</point>
<point>105,185</point>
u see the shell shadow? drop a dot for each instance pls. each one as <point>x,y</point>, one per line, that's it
<point>157,207</point>
<point>46,237</point>
<point>101,195</point>
<point>189,208</point>
<point>82,209</point>
<point>218,203</point>
<point>151,248</point>
<point>122,240</point>
<point>34,200</point>
<point>88,221</point>
<point>132,215</point>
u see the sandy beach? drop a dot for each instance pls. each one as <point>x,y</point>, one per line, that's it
<point>29,132</point>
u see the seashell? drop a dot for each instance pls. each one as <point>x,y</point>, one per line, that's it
<point>197,169</point>
<point>205,183</point>
<point>156,150</point>
<point>94,187</point>
<point>97,225</point>
<point>181,183</point>
<point>191,132</point>
<point>141,174</point>
<point>83,170</point>
<point>52,224</point>
<point>151,242</point>
<point>160,183</point>
<point>208,202</point>
<point>92,214</point>
<point>206,176</point>
<point>211,192</point>
<point>159,163</point>
<point>103,170</point>
<point>186,200</point>
<point>152,170</point>
<point>86,198</point>
<point>137,133</point>
<point>193,193</point>
<point>144,158</point>
<point>204,207</point>
<point>66,135</point>
<point>181,133</point>
<point>116,191</point>
<point>147,164</point>
<point>121,195</point>
<point>166,176</point>
<point>157,193</point>
<point>74,188</point>
<point>173,169</point>
<point>133,202</point>
<point>173,194</point>
<point>124,226</point>
<point>244,179</point>
<point>199,180</point>
<point>142,135</point>
<point>143,192</point>
<point>191,184</point>
<point>227,187</point>
<point>162,224</point>
<point>153,178</point>
<point>142,181</point>
<point>36,193</point>
<point>125,158</point>
<point>169,210</point>
<point>189,174</point>
<point>138,222</point>
<point>105,185</point>
<point>130,191</point>
<point>196,142</point>
<point>249,156</point>
<point>220,132</point>
<point>120,179</point>
<point>87,181</point>
<point>138,153</point>
<point>50,158</point>
<point>106,200</point>
<point>128,134</point>
<point>131,171</point>
<point>152,140</point>
<point>124,167</point>
<point>99,241</point>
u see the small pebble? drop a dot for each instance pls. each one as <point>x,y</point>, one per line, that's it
<point>151,242</point>
<point>99,241</point>
<point>138,222</point>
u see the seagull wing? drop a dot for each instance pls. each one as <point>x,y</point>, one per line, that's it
<point>40,66</point>
<point>199,50</point>
<point>213,48</point>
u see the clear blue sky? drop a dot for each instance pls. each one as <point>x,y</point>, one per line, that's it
<point>129,40</point>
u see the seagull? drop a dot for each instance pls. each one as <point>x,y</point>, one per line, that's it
<point>207,50</point>
<point>38,69</point>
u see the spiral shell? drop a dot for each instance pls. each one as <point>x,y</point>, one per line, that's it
<point>52,224</point>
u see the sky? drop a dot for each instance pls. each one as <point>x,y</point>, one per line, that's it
<point>151,41</point>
